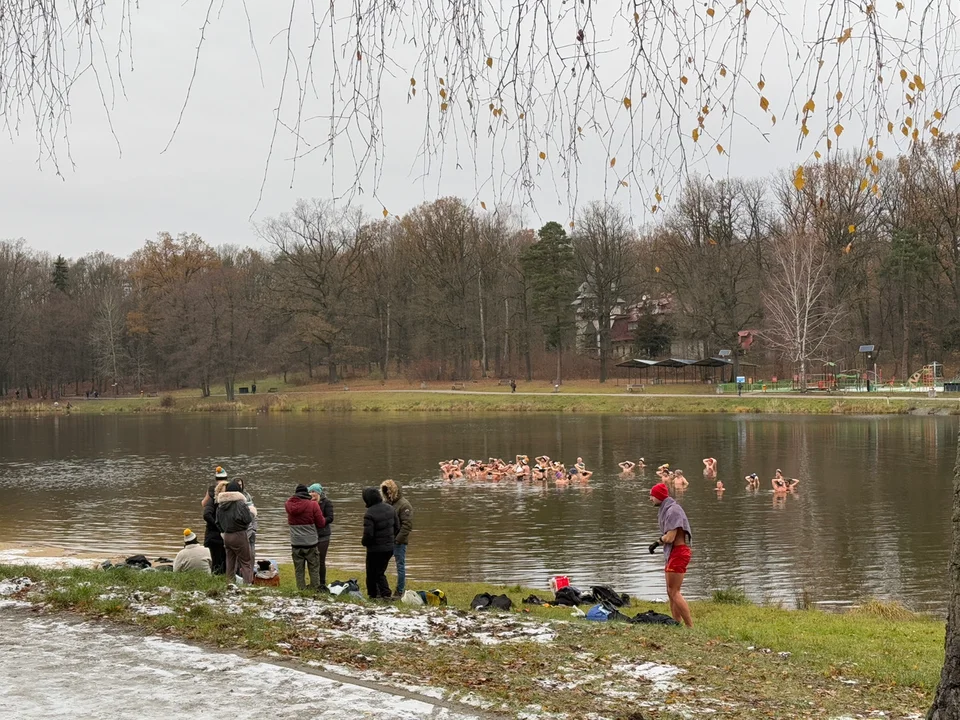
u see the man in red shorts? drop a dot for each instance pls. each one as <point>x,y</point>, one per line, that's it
<point>675,537</point>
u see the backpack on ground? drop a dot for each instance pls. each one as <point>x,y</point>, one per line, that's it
<point>599,613</point>
<point>653,618</point>
<point>486,601</point>
<point>436,597</point>
<point>568,596</point>
<point>481,601</point>
<point>501,602</point>
<point>603,594</point>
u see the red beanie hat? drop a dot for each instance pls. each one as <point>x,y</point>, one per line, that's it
<point>660,492</point>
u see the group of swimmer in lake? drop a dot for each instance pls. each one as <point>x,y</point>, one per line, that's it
<point>545,469</point>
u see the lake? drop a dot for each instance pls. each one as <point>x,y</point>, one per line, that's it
<point>871,516</point>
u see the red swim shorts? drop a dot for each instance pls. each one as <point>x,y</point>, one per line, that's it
<point>679,559</point>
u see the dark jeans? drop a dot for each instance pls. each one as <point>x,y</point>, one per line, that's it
<point>306,556</point>
<point>322,548</point>
<point>377,561</point>
<point>218,559</point>
<point>400,555</point>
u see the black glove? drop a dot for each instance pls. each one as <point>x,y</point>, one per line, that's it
<point>653,546</point>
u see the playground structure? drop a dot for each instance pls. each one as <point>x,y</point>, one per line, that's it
<point>926,376</point>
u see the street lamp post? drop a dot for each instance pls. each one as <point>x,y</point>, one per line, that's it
<point>868,351</point>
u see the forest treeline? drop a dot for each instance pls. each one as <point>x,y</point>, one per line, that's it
<point>815,260</point>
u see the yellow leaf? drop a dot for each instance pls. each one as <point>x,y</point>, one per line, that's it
<point>654,208</point>
<point>483,205</point>
<point>899,6</point>
<point>829,143</point>
<point>870,142</point>
<point>934,131</point>
<point>711,241</point>
<point>889,127</point>
<point>683,79</point>
<point>491,107</point>
<point>764,103</point>
<point>489,62</point>
<point>912,85</point>
<point>443,107</point>
<point>705,109</point>
<point>875,169</point>
<point>613,162</point>
<point>805,130</point>
<point>919,82</point>
<point>956,166</point>
<point>627,103</point>
<point>845,36</point>
<point>838,130</point>
<point>746,13</point>
<point>522,115</point>
<point>543,156</point>
<point>916,133</point>
<point>905,130</point>
<point>908,121</point>
<point>443,93</point>
<point>636,17</point>
<point>875,189</point>
<point>799,181</point>
<point>623,182</point>
<point>863,184</point>
<point>657,269</point>
<point>579,130</point>
<point>869,9</point>
<point>413,82</point>
<point>720,149</point>
<point>774,119</point>
<point>696,134</point>
<point>385,212</point>
<point>658,196</point>
<point>903,75</point>
<point>441,81</point>
<point>710,12</point>
<point>879,155</point>
<point>723,72</point>
<point>761,85</point>
<point>816,154</point>
<point>413,91</point>
<point>810,106</point>
<point>937,114</point>
<point>839,96</point>
<point>846,250</point>
<point>852,229</point>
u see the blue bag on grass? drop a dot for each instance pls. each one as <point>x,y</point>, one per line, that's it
<point>598,612</point>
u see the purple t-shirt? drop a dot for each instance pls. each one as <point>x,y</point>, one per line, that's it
<point>670,517</point>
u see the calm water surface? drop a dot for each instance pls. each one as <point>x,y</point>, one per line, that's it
<point>871,516</point>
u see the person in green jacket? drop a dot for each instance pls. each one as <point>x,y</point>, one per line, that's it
<point>393,495</point>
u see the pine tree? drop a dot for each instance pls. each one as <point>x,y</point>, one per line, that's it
<point>549,264</point>
<point>60,273</point>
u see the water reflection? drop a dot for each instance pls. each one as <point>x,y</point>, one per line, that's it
<point>871,515</point>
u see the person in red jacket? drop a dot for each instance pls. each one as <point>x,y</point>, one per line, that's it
<point>305,519</point>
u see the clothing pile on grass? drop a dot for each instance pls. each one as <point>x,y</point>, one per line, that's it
<point>140,562</point>
<point>605,604</point>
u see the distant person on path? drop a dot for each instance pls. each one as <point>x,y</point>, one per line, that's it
<point>212,539</point>
<point>194,557</point>
<point>234,518</point>
<point>380,528</point>
<point>513,386</point>
<point>393,495</point>
<point>306,520</point>
<point>317,493</point>
<point>675,538</point>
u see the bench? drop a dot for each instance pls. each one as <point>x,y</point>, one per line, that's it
<point>636,388</point>
<point>271,390</point>
<point>457,386</point>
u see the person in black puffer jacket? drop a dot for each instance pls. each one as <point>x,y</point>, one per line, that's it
<point>380,528</point>
<point>212,539</point>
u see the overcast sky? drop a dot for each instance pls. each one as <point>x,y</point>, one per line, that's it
<point>120,192</point>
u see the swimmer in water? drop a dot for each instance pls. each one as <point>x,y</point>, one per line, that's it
<point>753,480</point>
<point>641,464</point>
<point>720,487</point>
<point>582,471</point>
<point>710,467</point>
<point>781,484</point>
<point>627,467</point>
<point>679,480</point>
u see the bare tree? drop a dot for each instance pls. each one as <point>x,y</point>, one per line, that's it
<point>801,320</point>
<point>107,336</point>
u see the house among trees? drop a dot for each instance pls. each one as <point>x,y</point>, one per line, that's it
<point>641,329</point>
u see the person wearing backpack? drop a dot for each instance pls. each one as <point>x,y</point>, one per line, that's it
<point>675,538</point>
<point>393,495</point>
<point>380,528</point>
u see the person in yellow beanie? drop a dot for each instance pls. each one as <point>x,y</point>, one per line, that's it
<point>194,557</point>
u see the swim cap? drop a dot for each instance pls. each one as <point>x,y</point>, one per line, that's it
<point>660,492</point>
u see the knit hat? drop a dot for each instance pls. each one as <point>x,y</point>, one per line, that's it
<point>660,492</point>
<point>189,536</point>
<point>220,473</point>
<point>300,490</point>
<point>316,488</point>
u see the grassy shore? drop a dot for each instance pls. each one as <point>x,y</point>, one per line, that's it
<point>740,661</point>
<point>488,401</point>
